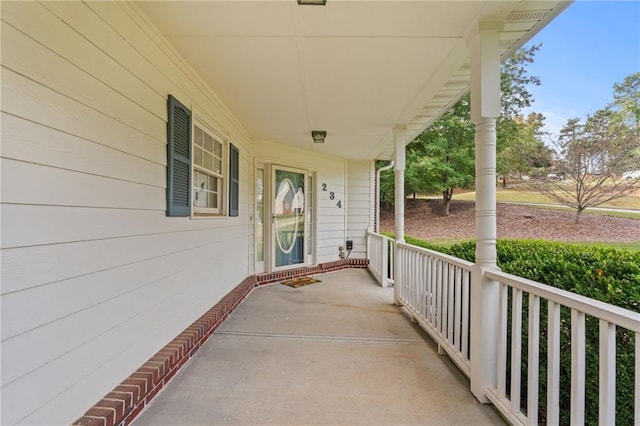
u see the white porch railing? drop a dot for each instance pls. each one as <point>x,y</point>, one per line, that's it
<point>435,288</point>
<point>508,398</point>
<point>381,257</point>
<point>435,291</point>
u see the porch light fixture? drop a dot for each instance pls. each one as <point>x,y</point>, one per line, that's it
<point>318,136</point>
<point>312,2</point>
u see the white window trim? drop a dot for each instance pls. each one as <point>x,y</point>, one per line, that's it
<point>222,210</point>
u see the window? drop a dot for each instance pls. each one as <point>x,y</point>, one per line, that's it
<point>207,172</point>
<point>196,175</point>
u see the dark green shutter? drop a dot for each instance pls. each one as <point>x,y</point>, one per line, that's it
<point>178,159</point>
<point>234,179</point>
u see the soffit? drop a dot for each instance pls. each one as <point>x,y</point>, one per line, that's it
<point>352,68</point>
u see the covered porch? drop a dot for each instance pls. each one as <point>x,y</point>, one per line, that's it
<point>334,352</point>
<point>99,277</point>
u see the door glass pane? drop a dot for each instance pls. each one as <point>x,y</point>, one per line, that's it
<point>289,221</point>
<point>259,215</point>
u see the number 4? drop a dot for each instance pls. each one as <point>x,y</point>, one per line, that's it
<point>339,204</point>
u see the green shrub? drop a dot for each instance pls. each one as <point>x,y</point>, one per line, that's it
<point>606,274</point>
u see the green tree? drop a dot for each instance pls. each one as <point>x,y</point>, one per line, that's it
<point>626,101</point>
<point>515,82</point>
<point>626,109</point>
<point>442,157</point>
<point>518,137</point>
<point>522,150</point>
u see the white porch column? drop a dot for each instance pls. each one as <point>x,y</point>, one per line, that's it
<point>399,166</point>
<point>485,109</point>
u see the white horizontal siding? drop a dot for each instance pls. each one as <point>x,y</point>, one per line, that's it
<point>95,277</point>
<point>71,324</point>
<point>53,186</point>
<point>112,344</point>
<point>23,56</point>
<point>59,224</point>
<point>27,141</point>
<point>40,24</point>
<point>359,212</point>
<point>34,102</point>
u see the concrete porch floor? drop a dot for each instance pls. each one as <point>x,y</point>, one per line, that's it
<point>333,353</point>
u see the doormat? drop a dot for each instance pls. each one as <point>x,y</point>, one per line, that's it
<point>300,282</point>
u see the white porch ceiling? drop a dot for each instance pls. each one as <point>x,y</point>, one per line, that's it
<point>353,68</point>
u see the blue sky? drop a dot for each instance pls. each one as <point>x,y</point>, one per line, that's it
<point>585,50</point>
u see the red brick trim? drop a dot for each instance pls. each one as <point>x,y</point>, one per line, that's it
<point>337,265</point>
<point>127,400</point>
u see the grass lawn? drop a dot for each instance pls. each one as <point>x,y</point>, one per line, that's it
<point>523,196</point>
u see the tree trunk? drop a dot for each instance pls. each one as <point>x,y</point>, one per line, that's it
<point>578,214</point>
<point>504,181</point>
<point>447,194</point>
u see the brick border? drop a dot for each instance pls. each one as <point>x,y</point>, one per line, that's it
<point>337,265</point>
<point>123,404</point>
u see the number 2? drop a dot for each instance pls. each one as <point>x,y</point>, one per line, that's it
<point>324,186</point>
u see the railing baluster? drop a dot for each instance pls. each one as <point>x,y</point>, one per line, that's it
<point>533,359</point>
<point>409,272</point>
<point>553,363</point>
<point>607,397</point>
<point>577,367</point>
<point>425,261</point>
<point>445,299</point>
<point>434,291</point>
<point>391,259</point>
<point>503,297</point>
<point>414,287</point>
<point>439,296</point>
<point>451,303</point>
<point>465,315</point>
<point>458,308</point>
<point>516,349</point>
<point>418,286</point>
<point>421,296</point>
<point>429,262</point>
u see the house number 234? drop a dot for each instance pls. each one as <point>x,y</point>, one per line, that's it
<point>332,195</point>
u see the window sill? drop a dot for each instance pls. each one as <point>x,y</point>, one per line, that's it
<point>196,215</point>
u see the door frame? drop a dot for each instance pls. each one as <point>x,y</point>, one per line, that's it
<point>267,264</point>
<point>273,229</point>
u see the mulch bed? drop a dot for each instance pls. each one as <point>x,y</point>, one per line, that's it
<point>423,219</point>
